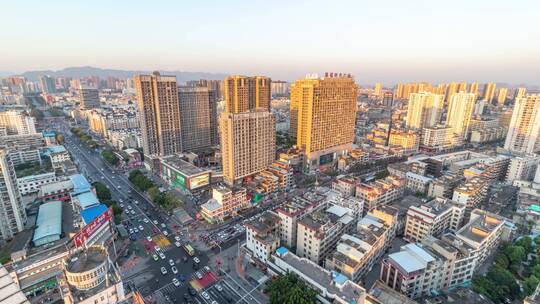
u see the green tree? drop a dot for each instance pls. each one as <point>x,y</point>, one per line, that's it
<point>515,254</point>
<point>529,285</point>
<point>289,289</point>
<point>527,243</point>
<point>536,270</point>
<point>502,261</point>
<point>382,174</point>
<point>110,157</point>
<point>103,193</point>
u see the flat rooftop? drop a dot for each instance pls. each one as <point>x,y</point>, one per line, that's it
<point>386,295</point>
<point>187,168</point>
<point>87,260</point>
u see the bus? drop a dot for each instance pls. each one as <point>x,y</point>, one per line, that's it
<point>190,251</point>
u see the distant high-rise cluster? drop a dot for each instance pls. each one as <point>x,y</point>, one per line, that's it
<point>424,110</point>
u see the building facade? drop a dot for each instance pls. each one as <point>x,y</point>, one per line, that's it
<point>244,93</point>
<point>12,212</point>
<point>524,129</point>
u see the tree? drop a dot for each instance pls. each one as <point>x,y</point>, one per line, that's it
<point>515,254</point>
<point>103,193</point>
<point>110,157</point>
<point>289,289</point>
<point>502,261</point>
<point>529,285</point>
<point>382,174</point>
<point>527,243</point>
<point>536,270</point>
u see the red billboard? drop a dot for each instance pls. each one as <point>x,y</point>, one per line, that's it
<point>92,227</point>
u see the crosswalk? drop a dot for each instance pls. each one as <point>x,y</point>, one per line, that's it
<point>159,295</point>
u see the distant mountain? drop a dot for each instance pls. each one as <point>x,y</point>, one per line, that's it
<point>78,72</point>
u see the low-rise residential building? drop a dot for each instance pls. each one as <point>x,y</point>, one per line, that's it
<point>418,183</point>
<point>380,192</point>
<point>59,190</point>
<point>434,218</point>
<point>331,286</point>
<point>23,148</point>
<point>319,231</point>
<point>438,138</point>
<point>32,184</point>
<point>472,193</point>
<point>356,253</point>
<point>225,203</point>
<point>346,185</point>
<point>522,168</point>
<point>408,140</point>
<point>277,177</point>
<point>58,155</point>
<point>262,236</point>
<point>444,185</point>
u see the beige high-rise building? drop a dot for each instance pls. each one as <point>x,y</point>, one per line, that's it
<point>520,92</point>
<point>12,212</point>
<point>198,117</point>
<point>460,111</point>
<point>424,110</point>
<point>462,87</point>
<point>248,143</point>
<point>326,116</point>
<point>378,89</point>
<point>243,93</point>
<point>474,88</point>
<point>489,92</point>
<point>524,129</point>
<point>503,92</point>
<point>452,89</point>
<point>159,114</point>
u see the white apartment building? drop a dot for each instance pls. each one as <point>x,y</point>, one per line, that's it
<point>12,213</point>
<point>262,236</point>
<point>460,111</point>
<point>524,129</point>
<point>424,110</point>
<point>32,184</point>
<point>522,168</point>
<point>17,122</point>
<point>319,231</point>
<point>380,192</point>
<point>434,218</point>
<point>438,138</point>
<point>225,203</point>
<point>472,193</point>
<point>417,182</point>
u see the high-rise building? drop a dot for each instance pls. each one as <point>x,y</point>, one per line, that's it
<point>460,111</point>
<point>159,113</point>
<point>424,110</point>
<point>17,122</point>
<point>523,132</point>
<point>519,92</point>
<point>452,89</point>
<point>474,88</point>
<point>243,93</point>
<point>198,117</point>
<point>326,110</point>
<point>280,88</point>
<point>378,89</point>
<point>248,143</point>
<point>489,92</point>
<point>502,96</point>
<point>462,87</point>
<point>89,97</point>
<point>213,85</point>
<point>48,84</point>
<point>12,212</point>
<point>388,99</point>
<point>398,90</point>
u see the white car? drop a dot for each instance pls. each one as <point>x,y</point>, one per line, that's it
<point>171,262</point>
<point>135,230</point>
<point>198,275</point>
<point>174,270</point>
<point>146,220</point>
<point>165,233</point>
<point>157,248</point>
<point>130,230</point>
<point>206,268</point>
<point>163,270</point>
<point>149,238</point>
<point>218,287</point>
<point>205,295</point>
<point>163,225</point>
<point>196,260</point>
<point>162,255</point>
<point>132,212</point>
<point>121,205</point>
<point>177,238</point>
<point>176,282</point>
<point>177,244</point>
<point>136,202</point>
<point>141,228</point>
<point>129,207</point>
<point>155,222</point>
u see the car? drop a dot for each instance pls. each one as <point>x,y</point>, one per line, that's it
<point>155,222</point>
<point>218,287</point>
<point>198,275</point>
<point>162,255</point>
<point>171,262</point>
<point>146,221</point>
<point>155,257</point>
<point>177,244</point>
<point>192,291</point>
<point>176,282</point>
<point>214,302</point>
<point>118,186</point>
<point>136,202</point>
<point>121,200</point>
<point>165,233</point>
<point>112,176</point>
<point>196,260</point>
<point>132,212</point>
<point>206,268</point>
<point>174,270</point>
<point>182,277</point>
<point>205,295</point>
<point>103,177</point>
<point>177,238</point>
<point>163,225</point>
<point>149,238</point>
<point>157,248</point>
<point>129,207</point>
<point>121,205</point>
<point>135,230</point>
<point>163,270</point>
<point>141,228</point>
<point>131,231</point>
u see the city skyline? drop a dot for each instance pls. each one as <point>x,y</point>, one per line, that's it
<point>376,42</point>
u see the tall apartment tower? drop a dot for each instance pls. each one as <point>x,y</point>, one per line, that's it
<point>424,110</point>
<point>378,89</point>
<point>198,117</point>
<point>89,97</point>
<point>248,143</point>
<point>213,85</point>
<point>48,84</point>
<point>503,92</point>
<point>520,92</point>
<point>474,88</point>
<point>523,132</point>
<point>452,89</point>
<point>326,116</point>
<point>17,122</point>
<point>159,114</point>
<point>243,93</point>
<point>460,111</point>
<point>12,213</point>
<point>489,92</point>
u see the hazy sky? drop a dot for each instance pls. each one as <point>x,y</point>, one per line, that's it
<point>384,41</point>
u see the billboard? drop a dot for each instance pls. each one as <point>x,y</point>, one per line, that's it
<point>92,227</point>
<point>199,181</point>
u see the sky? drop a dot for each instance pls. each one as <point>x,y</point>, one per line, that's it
<point>377,41</point>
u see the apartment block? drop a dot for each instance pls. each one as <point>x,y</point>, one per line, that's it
<point>262,236</point>
<point>225,203</point>
<point>408,140</point>
<point>17,122</point>
<point>346,185</point>
<point>244,93</point>
<point>472,193</point>
<point>417,182</point>
<point>32,184</point>
<point>444,185</point>
<point>522,168</point>
<point>433,218</point>
<point>88,97</point>
<point>319,232</point>
<point>438,138</point>
<point>380,192</point>
<point>424,110</point>
<point>198,118</point>
<point>277,177</point>
<point>523,132</point>
<point>248,144</point>
<point>12,212</point>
